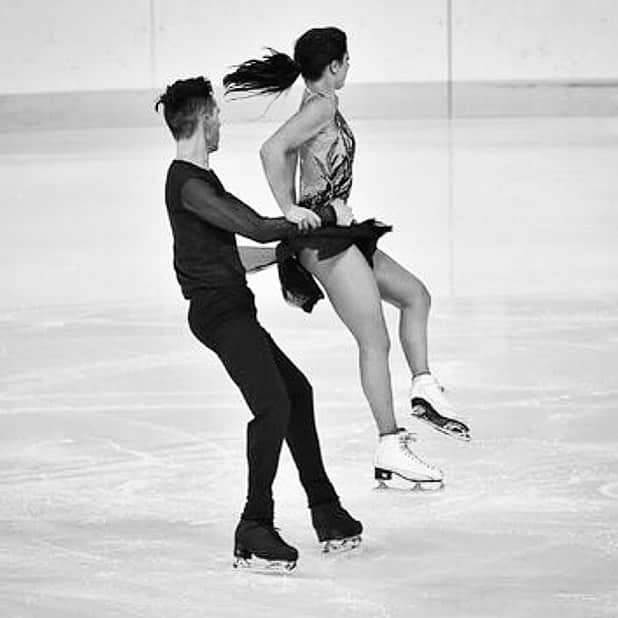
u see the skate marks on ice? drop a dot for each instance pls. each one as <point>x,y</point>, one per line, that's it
<point>610,490</point>
<point>68,459</point>
<point>87,429</point>
<point>119,483</point>
<point>133,490</point>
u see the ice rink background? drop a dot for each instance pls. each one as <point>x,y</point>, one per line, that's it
<point>121,439</point>
<point>122,468</point>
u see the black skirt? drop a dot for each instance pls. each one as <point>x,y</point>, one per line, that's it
<point>298,286</point>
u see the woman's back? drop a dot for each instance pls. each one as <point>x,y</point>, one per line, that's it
<point>326,160</point>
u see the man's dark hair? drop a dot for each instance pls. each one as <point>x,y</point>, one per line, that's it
<point>182,102</point>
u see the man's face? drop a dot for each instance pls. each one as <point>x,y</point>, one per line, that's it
<point>211,126</point>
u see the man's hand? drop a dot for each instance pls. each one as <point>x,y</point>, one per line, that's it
<point>344,213</point>
<point>303,217</point>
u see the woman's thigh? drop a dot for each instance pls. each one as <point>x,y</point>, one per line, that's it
<point>351,287</point>
<point>397,285</point>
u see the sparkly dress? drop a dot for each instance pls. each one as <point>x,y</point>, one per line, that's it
<point>325,163</point>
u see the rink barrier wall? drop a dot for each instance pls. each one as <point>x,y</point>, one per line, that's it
<point>135,108</point>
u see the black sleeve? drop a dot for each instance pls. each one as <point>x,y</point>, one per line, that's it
<point>227,212</point>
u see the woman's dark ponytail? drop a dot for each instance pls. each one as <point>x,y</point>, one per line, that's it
<point>274,73</point>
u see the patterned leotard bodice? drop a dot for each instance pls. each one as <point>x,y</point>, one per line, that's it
<point>326,161</point>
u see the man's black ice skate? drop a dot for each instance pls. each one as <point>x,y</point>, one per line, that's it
<point>258,547</point>
<point>429,404</point>
<point>335,527</point>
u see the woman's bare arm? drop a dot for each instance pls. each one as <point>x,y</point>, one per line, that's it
<point>279,155</point>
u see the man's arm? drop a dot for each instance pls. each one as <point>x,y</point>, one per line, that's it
<point>227,212</point>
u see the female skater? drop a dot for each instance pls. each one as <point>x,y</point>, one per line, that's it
<point>318,139</point>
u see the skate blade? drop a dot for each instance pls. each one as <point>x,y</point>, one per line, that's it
<point>340,546</point>
<point>413,486</point>
<point>267,567</point>
<point>401,483</point>
<point>418,412</point>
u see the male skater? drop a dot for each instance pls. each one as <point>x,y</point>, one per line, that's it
<point>222,315</point>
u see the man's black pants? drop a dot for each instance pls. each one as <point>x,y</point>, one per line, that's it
<point>277,393</point>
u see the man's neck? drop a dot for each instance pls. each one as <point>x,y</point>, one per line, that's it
<point>191,151</point>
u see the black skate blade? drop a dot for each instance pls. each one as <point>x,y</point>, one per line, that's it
<point>266,567</point>
<point>419,411</point>
<point>340,546</point>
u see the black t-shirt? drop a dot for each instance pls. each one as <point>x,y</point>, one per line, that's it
<point>204,218</point>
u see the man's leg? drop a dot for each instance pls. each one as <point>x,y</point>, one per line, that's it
<point>244,349</point>
<point>334,526</point>
<point>302,437</point>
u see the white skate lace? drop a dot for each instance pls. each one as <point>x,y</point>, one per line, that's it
<point>405,437</point>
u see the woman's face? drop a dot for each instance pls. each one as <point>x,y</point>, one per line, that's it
<point>341,70</point>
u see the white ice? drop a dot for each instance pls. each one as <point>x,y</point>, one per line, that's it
<point>122,467</point>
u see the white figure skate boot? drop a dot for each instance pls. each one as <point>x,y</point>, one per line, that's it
<point>430,404</point>
<point>394,457</point>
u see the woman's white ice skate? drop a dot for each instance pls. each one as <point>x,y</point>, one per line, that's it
<point>430,405</point>
<point>393,457</point>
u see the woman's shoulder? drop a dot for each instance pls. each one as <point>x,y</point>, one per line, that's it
<point>322,105</point>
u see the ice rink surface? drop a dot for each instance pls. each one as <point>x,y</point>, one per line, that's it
<point>122,467</point>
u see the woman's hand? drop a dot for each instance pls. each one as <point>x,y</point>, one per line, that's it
<point>303,217</point>
<point>344,213</point>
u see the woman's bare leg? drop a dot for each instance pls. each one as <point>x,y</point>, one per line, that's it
<point>351,288</point>
<point>402,289</point>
